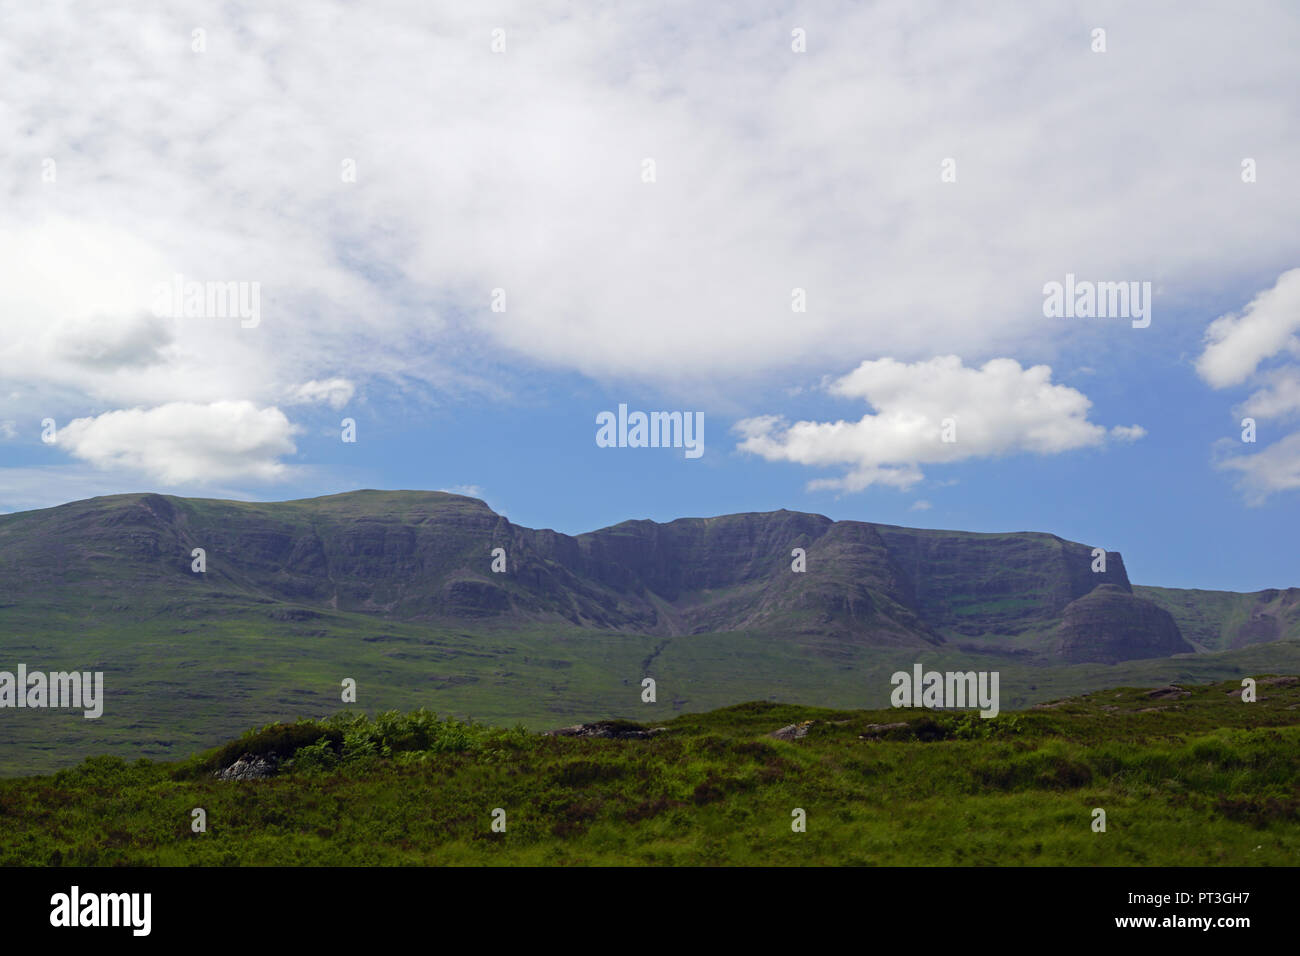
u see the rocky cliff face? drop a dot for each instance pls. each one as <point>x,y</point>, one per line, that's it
<point>1226,620</point>
<point>428,555</point>
<point>1109,624</point>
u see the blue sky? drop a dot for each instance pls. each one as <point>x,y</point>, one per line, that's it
<point>472,243</point>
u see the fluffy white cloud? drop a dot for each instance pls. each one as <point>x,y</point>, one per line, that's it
<point>1268,326</point>
<point>183,442</point>
<point>997,409</point>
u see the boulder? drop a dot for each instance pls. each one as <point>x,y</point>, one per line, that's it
<point>249,767</point>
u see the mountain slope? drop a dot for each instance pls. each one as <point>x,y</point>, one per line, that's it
<point>395,590</point>
<point>429,556</point>
<point>1223,620</point>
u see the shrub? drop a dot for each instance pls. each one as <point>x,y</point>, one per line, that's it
<point>317,757</point>
<point>277,740</point>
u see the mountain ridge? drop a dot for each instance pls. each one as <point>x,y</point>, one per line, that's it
<point>395,591</point>
<point>428,555</point>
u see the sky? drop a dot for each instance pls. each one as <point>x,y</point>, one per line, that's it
<point>841,235</point>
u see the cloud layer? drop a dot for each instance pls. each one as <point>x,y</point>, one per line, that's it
<point>523,170</point>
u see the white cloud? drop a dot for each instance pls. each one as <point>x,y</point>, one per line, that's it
<point>997,409</point>
<point>521,170</point>
<point>8,429</point>
<point>1274,469</point>
<point>920,505</point>
<point>1127,432</point>
<point>1236,344</point>
<point>1279,398</point>
<point>114,341</point>
<point>183,442</point>
<point>337,392</point>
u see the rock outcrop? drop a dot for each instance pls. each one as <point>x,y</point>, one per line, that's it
<point>249,767</point>
<point>1109,624</point>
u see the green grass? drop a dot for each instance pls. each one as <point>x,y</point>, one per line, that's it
<point>1203,779</point>
<point>176,682</point>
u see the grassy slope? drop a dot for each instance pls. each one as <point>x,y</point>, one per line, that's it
<point>1199,780</point>
<point>175,685</point>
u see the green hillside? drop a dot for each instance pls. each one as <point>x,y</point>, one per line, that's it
<point>1185,777</point>
<point>1220,620</point>
<point>395,591</point>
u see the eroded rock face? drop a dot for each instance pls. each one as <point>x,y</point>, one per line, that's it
<point>1110,624</point>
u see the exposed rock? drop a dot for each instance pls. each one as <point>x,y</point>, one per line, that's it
<point>792,731</point>
<point>1023,582</point>
<point>249,767</point>
<point>1280,681</point>
<point>1168,692</point>
<point>608,730</point>
<point>875,730</point>
<point>1109,625</point>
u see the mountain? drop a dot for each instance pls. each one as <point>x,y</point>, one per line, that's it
<point>396,590</point>
<point>429,556</point>
<point>1224,620</point>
